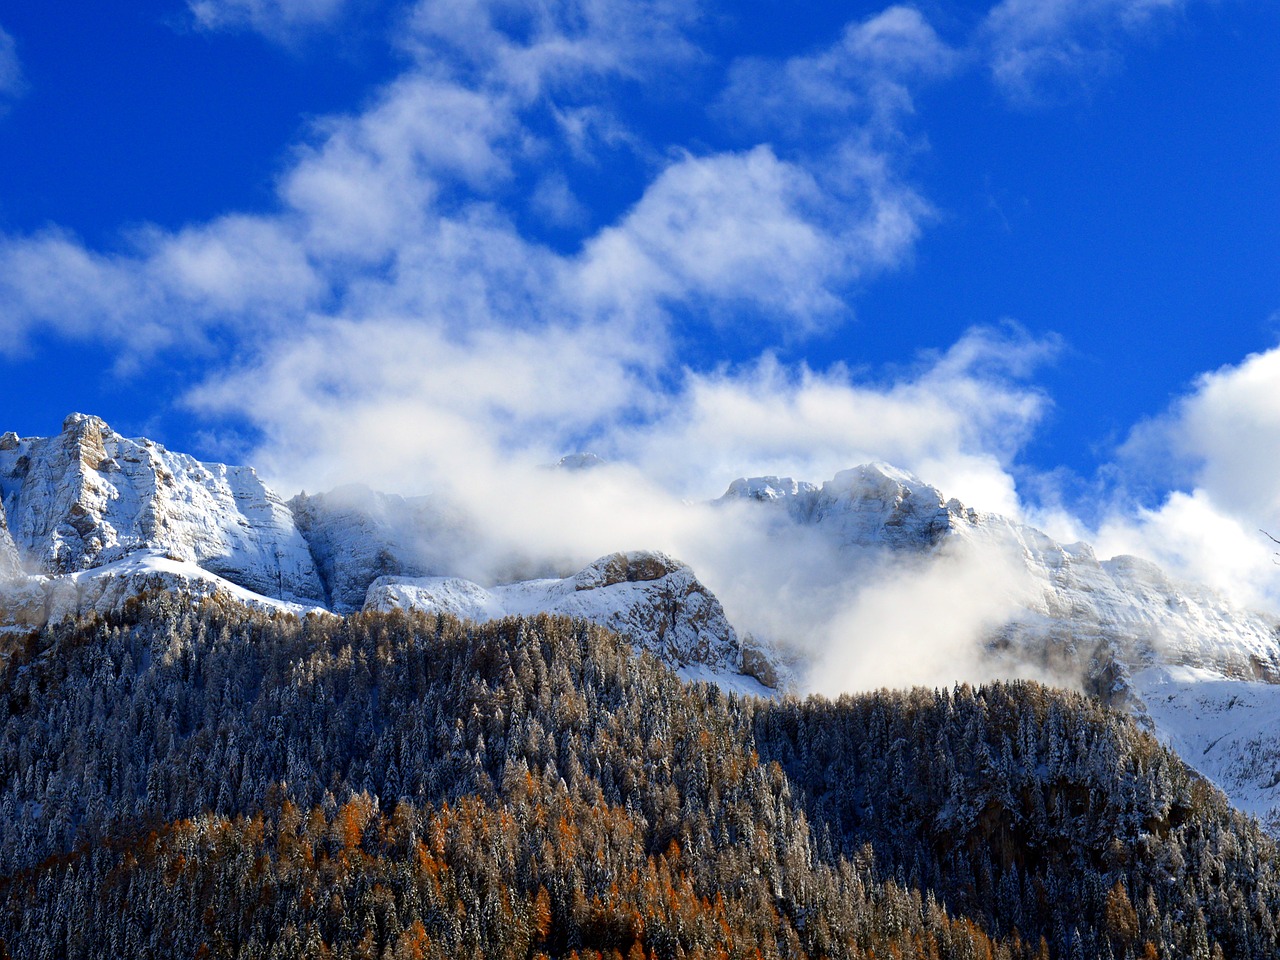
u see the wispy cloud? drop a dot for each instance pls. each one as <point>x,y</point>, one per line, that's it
<point>532,48</point>
<point>751,229</point>
<point>1037,49</point>
<point>402,210</point>
<point>12,81</point>
<point>277,19</point>
<point>868,74</point>
<point>960,419</point>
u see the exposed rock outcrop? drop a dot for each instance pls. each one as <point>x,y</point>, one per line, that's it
<point>655,601</point>
<point>90,497</point>
<point>357,535</point>
<point>10,563</point>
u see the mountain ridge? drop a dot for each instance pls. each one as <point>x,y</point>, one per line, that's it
<point>101,518</point>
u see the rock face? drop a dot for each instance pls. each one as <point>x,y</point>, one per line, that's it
<point>653,600</point>
<point>357,535</point>
<point>89,497</point>
<point>10,564</point>
<point>874,505</point>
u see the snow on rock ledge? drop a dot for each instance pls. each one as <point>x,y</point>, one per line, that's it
<point>33,602</point>
<point>357,535</point>
<point>653,600</point>
<point>89,497</point>
<point>874,505</point>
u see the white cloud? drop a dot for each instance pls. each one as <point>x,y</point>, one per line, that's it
<point>372,182</point>
<point>274,18</point>
<point>170,290</point>
<point>751,229</point>
<point>12,82</point>
<point>1219,449</point>
<point>741,227</point>
<point>528,48</point>
<point>398,211</point>
<point>958,421</point>
<point>920,622</point>
<point>1035,46</point>
<point>869,71</point>
<point>553,201</point>
<point>1197,539</point>
<point>1230,427</point>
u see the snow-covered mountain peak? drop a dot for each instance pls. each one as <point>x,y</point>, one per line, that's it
<point>882,477</point>
<point>656,602</point>
<point>575,462</point>
<point>866,506</point>
<point>765,489</point>
<point>637,566</point>
<point>89,497</point>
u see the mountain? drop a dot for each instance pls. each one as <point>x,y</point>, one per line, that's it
<point>94,519</point>
<point>641,594</point>
<point>89,497</point>
<point>240,726</point>
<point>99,518</point>
<point>1202,674</point>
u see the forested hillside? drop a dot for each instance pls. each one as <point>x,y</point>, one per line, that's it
<point>212,782</point>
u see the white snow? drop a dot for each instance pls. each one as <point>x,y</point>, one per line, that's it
<point>654,601</point>
<point>97,518</point>
<point>49,599</point>
<point>89,497</point>
<point>1228,729</point>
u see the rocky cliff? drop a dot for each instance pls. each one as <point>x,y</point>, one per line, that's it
<point>90,497</point>
<point>647,596</point>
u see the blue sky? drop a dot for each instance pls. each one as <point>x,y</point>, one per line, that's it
<point>1025,248</point>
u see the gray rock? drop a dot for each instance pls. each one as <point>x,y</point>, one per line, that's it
<point>89,497</point>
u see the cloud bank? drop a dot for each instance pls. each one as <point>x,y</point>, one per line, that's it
<point>407,316</point>
<point>1221,442</point>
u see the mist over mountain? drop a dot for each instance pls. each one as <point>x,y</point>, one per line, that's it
<point>872,578</point>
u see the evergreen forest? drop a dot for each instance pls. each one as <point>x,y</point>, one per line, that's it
<point>204,781</point>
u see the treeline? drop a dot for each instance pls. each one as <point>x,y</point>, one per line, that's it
<point>212,782</point>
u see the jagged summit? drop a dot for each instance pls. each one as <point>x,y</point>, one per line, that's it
<point>580,461</point>
<point>89,497</point>
<point>868,505</point>
<point>643,594</point>
<point>88,518</point>
<point>765,489</point>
